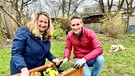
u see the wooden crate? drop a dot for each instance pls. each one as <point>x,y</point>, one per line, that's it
<point>72,72</point>
<point>69,72</point>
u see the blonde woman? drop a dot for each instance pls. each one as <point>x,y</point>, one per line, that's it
<point>31,45</point>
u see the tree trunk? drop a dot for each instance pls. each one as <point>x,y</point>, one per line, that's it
<point>131,7</point>
<point>69,5</point>
<point>10,16</point>
<point>109,5</point>
<point>101,6</point>
<point>127,15</point>
<point>1,32</point>
<point>63,7</point>
<point>120,5</point>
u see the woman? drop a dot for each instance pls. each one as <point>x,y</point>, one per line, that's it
<point>31,45</point>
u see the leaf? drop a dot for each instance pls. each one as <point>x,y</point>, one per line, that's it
<point>66,66</point>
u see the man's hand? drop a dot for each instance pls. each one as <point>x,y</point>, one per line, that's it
<point>79,63</point>
<point>65,60</point>
<point>24,72</point>
<point>57,61</point>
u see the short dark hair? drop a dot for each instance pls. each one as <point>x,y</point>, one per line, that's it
<point>76,17</point>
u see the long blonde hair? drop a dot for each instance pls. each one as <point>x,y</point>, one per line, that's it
<point>34,28</point>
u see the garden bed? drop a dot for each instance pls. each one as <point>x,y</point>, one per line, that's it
<point>68,72</point>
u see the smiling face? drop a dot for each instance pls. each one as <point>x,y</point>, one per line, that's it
<point>76,26</point>
<point>42,23</point>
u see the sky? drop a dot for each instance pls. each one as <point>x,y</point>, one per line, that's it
<point>93,2</point>
<point>80,8</point>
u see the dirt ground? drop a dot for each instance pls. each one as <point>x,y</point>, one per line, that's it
<point>5,43</point>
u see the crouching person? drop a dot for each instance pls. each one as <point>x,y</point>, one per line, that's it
<point>86,46</point>
<point>31,45</point>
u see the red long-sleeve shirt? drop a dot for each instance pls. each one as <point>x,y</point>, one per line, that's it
<point>88,46</point>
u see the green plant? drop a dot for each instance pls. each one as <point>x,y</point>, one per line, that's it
<point>4,61</point>
<point>58,32</point>
<point>66,66</point>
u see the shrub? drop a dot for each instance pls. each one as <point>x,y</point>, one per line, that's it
<point>65,24</point>
<point>58,32</point>
<point>113,25</point>
<point>66,66</point>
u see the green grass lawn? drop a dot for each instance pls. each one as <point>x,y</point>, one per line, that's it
<point>4,61</point>
<point>120,63</point>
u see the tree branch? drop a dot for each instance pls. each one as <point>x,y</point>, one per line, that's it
<point>9,15</point>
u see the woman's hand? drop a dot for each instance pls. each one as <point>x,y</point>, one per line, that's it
<point>57,61</point>
<point>24,72</point>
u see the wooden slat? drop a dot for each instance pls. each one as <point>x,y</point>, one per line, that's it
<point>69,72</point>
<point>72,72</point>
<point>38,68</point>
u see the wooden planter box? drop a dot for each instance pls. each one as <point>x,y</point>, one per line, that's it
<point>69,72</point>
<point>72,72</point>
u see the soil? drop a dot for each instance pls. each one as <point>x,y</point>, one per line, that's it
<point>6,43</point>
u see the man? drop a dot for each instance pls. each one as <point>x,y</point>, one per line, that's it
<point>86,48</point>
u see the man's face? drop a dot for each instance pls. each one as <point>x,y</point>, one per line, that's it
<point>76,26</point>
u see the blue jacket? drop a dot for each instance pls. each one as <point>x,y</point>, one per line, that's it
<point>28,51</point>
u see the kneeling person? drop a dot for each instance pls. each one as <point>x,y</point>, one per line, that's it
<point>87,48</point>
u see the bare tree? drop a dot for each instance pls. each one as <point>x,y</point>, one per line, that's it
<point>9,15</point>
<point>5,23</point>
<point>18,6</point>
<point>66,7</point>
<point>109,5</point>
<point>72,6</point>
<point>120,4</point>
<point>101,3</point>
<point>131,7</point>
<point>63,7</point>
<point>129,11</point>
<point>1,32</point>
<point>13,11</point>
<point>54,8</point>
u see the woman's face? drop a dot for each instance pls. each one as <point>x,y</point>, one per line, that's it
<point>42,23</point>
<point>76,26</point>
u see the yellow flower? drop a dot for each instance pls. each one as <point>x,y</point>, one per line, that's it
<point>48,70</point>
<point>51,72</point>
